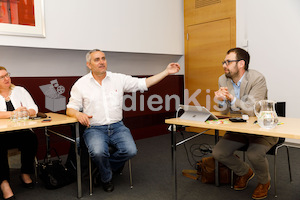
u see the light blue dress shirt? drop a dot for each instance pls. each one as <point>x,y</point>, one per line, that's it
<point>237,89</point>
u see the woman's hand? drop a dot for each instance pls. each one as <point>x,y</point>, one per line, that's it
<point>31,112</point>
<point>22,108</point>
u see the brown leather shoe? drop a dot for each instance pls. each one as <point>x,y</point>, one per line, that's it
<point>261,191</point>
<point>242,181</point>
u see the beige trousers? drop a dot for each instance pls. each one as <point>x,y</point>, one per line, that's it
<point>258,146</point>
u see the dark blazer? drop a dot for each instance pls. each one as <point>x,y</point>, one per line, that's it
<point>253,88</point>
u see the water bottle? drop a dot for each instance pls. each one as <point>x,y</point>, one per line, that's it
<point>14,116</point>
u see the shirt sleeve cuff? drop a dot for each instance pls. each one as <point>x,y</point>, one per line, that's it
<point>142,84</point>
<point>233,102</point>
<point>73,107</point>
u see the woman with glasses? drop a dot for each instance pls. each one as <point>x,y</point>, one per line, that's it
<point>15,100</point>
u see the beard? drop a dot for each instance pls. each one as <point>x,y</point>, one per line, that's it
<point>228,75</point>
<point>232,73</point>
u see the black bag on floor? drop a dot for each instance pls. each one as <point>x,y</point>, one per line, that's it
<point>71,163</point>
<point>53,173</point>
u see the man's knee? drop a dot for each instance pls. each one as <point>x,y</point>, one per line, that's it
<point>221,153</point>
<point>98,152</point>
<point>255,156</point>
<point>217,154</point>
<point>131,152</point>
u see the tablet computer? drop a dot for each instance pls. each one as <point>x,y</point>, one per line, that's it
<point>196,113</point>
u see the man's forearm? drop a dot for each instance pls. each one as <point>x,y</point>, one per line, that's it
<point>152,80</point>
<point>71,112</point>
<point>5,114</point>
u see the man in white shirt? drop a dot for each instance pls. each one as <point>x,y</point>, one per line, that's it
<point>99,95</point>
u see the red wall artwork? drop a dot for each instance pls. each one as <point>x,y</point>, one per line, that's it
<point>17,12</point>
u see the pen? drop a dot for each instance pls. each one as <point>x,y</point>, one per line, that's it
<point>47,120</point>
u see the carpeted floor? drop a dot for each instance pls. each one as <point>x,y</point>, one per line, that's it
<point>152,177</point>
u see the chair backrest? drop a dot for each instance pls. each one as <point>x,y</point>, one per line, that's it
<point>280,109</point>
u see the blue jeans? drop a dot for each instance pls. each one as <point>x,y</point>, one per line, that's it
<point>97,139</point>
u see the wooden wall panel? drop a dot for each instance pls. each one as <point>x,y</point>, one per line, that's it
<point>210,30</point>
<point>195,12</point>
<point>206,48</point>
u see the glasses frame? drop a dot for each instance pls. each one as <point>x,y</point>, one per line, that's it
<point>227,62</point>
<point>5,76</point>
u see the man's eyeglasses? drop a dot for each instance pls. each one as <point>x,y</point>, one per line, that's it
<point>227,62</point>
<point>5,76</point>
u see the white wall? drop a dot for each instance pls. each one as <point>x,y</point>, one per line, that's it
<point>147,26</point>
<point>26,62</point>
<point>272,30</point>
<point>139,38</point>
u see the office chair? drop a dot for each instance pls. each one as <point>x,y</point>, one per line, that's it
<point>280,110</point>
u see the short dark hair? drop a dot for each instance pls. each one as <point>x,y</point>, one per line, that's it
<point>241,54</point>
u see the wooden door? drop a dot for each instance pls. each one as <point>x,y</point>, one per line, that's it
<point>210,28</point>
<point>206,48</point>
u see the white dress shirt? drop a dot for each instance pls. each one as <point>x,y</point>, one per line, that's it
<point>19,97</point>
<point>103,102</point>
